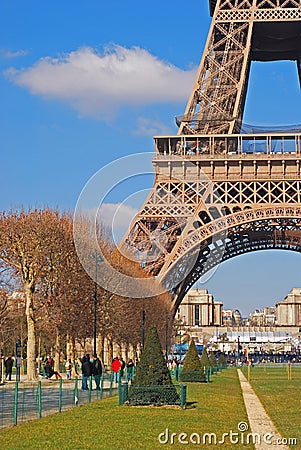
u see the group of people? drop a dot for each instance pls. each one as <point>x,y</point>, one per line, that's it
<point>49,369</point>
<point>91,366</point>
<point>118,366</point>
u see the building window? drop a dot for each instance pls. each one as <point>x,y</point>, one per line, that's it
<point>197,315</point>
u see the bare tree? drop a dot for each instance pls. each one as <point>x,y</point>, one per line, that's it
<point>30,243</point>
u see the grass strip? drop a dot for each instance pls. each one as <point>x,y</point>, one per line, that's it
<point>280,398</point>
<point>216,407</point>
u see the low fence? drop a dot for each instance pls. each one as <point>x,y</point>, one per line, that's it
<point>152,395</point>
<point>20,402</point>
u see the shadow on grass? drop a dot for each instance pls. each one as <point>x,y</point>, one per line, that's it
<point>191,405</point>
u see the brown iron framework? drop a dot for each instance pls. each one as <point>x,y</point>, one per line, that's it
<point>219,193</point>
<point>241,31</point>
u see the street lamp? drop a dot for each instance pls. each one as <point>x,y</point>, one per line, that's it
<point>166,337</point>
<point>98,258</point>
<point>143,327</point>
<point>18,358</point>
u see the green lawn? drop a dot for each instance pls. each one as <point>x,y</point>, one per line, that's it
<point>216,407</point>
<point>280,397</point>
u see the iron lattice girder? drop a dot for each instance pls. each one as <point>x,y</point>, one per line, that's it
<point>241,32</point>
<point>219,228</point>
<point>166,236</point>
<point>277,233</point>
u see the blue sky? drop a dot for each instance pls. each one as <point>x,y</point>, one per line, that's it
<point>85,83</point>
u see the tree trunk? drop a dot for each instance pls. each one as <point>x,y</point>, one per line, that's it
<point>118,350</point>
<point>110,351</point>
<point>126,352</point>
<point>101,346</point>
<point>31,335</point>
<point>57,352</point>
<point>71,354</point>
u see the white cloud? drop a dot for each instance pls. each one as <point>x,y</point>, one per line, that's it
<point>7,54</point>
<point>149,127</point>
<point>99,85</point>
<point>116,215</point>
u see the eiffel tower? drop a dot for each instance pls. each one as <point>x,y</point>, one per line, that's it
<point>222,189</point>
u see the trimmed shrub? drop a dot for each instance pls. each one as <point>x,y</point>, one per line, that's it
<point>212,360</point>
<point>152,368</point>
<point>204,359</point>
<point>222,362</point>
<point>152,376</point>
<point>192,369</point>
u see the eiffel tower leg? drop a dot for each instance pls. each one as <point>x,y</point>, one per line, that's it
<point>218,96</point>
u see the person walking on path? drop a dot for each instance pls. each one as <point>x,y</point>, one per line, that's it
<point>8,363</point>
<point>97,371</point>
<point>130,370</point>
<point>87,367</point>
<point>68,367</point>
<point>122,367</point>
<point>115,366</point>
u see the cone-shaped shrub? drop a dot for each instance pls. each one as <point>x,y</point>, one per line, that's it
<point>192,369</point>
<point>152,368</point>
<point>212,360</point>
<point>222,362</point>
<point>152,383</point>
<point>204,359</point>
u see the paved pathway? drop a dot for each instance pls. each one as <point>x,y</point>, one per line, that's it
<point>259,421</point>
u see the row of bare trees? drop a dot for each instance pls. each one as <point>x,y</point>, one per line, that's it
<point>38,258</point>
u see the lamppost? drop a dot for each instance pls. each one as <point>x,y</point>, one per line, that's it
<point>98,258</point>
<point>143,327</point>
<point>181,322</point>
<point>18,358</point>
<point>166,337</point>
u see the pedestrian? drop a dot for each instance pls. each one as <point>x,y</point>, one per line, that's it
<point>8,363</point>
<point>49,372</point>
<point>50,361</point>
<point>115,366</point>
<point>122,367</point>
<point>97,371</point>
<point>130,370</point>
<point>86,371</point>
<point>68,367</point>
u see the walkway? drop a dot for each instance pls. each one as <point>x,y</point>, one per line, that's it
<point>259,421</point>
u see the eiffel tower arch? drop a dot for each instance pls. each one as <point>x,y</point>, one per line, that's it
<point>222,190</point>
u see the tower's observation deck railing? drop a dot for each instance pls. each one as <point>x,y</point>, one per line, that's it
<point>232,146</point>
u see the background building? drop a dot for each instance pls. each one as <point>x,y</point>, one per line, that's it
<point>265,317</point>
<point>288,312</point>
<point>198,309</point>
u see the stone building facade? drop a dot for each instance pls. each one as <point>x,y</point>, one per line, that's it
<point>198,309</point>
<point>288,312</point>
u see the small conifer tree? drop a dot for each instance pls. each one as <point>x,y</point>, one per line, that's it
<point>192,370</point>
<point>212,360</point>
<point>222,362</point>
<point>152,383</point>
<point>152,368</point>
<point>204,359</point>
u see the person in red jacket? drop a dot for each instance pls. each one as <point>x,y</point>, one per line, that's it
<point>115,366</point>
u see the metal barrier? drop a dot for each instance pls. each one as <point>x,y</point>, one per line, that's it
<point>152,395</point>
<point>23,401</point>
